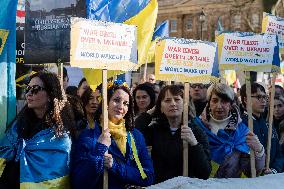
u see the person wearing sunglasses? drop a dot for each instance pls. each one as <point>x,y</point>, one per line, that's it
<point>36,147</point>
<point>197,91</point>
<point>260,126</point>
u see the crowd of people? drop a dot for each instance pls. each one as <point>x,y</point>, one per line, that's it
<point>59,136</point>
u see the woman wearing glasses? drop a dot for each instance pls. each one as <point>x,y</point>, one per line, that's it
<point>230,140</point>
<point>36,148</point>
<point>120,149</point>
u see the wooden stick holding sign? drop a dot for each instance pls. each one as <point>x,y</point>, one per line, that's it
<point>250,121</point>
<point>271,109</point>
<point>145,70</point>
<point>185,122</point>
<point>105,116</point>
<point>85,53</point>
<point>177,69</point>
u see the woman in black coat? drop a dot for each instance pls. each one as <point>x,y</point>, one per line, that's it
<point>166,134</point>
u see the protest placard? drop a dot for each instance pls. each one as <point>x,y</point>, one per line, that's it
<point>186,60</point>
<point>247,51</point>
<point>272,24</point>
<point>103,45</point>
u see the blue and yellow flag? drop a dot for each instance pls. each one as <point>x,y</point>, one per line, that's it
<point>44,158</point>
<point>142,13</point>
<point>219,28</point>
<point>160,31</point>
<point>7,63</point>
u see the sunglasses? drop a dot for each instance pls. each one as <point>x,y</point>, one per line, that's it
<point>33,89</point>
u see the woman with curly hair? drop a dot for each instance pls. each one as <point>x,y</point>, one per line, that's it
<point>120,149</point>
<point>36,147</point>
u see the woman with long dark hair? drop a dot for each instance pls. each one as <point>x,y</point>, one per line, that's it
<point>37,146</point>
<point>91,101</point>
<point>144,98</point>
<point>120,149</point>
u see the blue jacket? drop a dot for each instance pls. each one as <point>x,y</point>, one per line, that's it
<point>260,128</point>
<point>87,162</point>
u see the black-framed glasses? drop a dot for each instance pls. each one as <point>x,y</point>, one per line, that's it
<point>34,89</point>
<point>260,97</point>
<point>199,85</point>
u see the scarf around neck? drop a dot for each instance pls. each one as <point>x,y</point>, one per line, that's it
<point>119,134</point>
<point>227,140</point>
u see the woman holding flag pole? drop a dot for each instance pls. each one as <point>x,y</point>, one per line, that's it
<point>120,148</point>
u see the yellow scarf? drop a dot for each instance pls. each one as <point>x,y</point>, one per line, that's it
<point>119,134</point>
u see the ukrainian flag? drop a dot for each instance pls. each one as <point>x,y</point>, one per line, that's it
<point>142,13</point>
<point>220,28</point>
<point>160,31</point>
<point>7,63</point>
<point>282,67</point>
<point>44,158</point>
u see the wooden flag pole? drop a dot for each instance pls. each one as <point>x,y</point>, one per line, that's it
<point>185,122</point>
<point>271,109</point>
<point>222,78</point>
<point>250,122</point>
<point>145,71</point>
<point>105,122</point>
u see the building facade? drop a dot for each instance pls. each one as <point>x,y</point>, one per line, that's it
<point>186,21</point>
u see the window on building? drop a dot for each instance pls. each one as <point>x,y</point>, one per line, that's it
<point>255,20</point>
<point>173,25</point>
<point>189,24</point>
<point>237,21</point>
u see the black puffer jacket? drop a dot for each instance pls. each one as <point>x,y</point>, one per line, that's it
<point>167,151</point>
